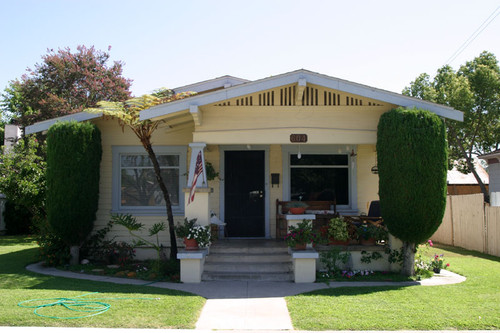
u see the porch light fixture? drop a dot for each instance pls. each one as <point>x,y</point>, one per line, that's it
<point>299,155</point>
<point>375,167</point>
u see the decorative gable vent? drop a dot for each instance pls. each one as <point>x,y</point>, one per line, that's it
<point>312,95</point>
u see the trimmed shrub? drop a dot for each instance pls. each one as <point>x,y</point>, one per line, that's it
<point>73,160</point>
<point>412,164</point>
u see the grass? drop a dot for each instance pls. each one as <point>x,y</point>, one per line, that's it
<point>131,306</point>
<point>472,305</point>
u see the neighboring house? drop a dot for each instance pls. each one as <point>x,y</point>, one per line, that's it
<point>460,183</point>
<point>493,160</point>
<point>298,135</point>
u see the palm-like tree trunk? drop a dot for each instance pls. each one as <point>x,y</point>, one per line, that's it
<point>170,216</point>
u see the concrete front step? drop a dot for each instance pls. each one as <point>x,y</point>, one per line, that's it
<point>247,250</point>
<point>255,267</point>
<point>232,276</point>
<point>248,258</point>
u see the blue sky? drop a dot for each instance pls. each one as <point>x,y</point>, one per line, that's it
<point>385,44</point>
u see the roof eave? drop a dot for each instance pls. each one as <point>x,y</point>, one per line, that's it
<point>292,77</point>
<point>45,125</point>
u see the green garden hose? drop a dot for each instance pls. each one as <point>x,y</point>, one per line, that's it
<point>91,307</point>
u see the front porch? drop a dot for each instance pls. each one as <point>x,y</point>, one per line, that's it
<point>269,260</point>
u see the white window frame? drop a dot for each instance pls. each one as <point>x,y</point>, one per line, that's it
<point>293,149</point>
<point>118,151</point>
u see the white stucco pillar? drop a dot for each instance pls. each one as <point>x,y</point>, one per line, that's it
<point>199,208</point>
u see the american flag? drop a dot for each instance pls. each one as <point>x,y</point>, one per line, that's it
<point>198,170</point>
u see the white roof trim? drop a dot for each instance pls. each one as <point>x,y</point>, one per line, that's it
<point>45,125</point>
<point>292,77</point>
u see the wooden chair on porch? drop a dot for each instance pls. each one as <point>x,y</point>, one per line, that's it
<point>324,211</point>
<point>374,216</point>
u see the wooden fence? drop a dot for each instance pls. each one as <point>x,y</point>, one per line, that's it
<point>470,224</point>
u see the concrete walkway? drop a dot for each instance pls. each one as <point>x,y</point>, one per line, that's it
<point>246,305</point>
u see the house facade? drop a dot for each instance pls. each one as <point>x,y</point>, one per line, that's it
<point>295,136</point>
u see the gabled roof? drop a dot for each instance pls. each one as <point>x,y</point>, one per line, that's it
<point>226,87</point>
<point>303,77</point>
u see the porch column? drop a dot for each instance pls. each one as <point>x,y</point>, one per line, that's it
<point>199,207</point>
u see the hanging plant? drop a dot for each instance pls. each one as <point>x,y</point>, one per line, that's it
<point>211,173</point>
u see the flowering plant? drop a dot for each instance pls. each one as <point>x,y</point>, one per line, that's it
<point>190,230</point>
<point>438,262</point>
<point>201,234</point>
<point>302,233</point>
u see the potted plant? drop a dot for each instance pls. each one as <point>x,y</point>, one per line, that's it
<point>300,235</point>
<point>337,231</point>
<point>437,263</point>
<point>195,236</point>
<point>367,233</point>
<point>296,207</point>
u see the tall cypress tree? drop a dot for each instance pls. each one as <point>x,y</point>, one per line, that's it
<point>412,162</point>
<point>73,169</point>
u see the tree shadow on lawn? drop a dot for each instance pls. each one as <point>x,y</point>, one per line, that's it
<point>63,285</point>
<point>14,275</point>
<point>464,252</point>
<point>353,291</point>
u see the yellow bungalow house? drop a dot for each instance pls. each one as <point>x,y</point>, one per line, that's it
<point>295,136</point>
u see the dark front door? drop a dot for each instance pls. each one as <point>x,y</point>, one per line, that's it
<point>244,193</point>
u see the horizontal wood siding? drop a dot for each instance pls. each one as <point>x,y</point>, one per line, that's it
<point>113,135</point>
<point>367,182</point>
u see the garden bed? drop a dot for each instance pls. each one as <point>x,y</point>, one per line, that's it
<point>142,270</point>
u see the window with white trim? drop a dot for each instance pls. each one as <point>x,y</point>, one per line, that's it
<point>320,177</point>
<point>135,188</point>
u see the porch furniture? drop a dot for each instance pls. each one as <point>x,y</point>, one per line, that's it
<point>373,217</point>
<point>323,210</point>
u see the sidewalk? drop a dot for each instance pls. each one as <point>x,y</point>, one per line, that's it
<point>245,305</point>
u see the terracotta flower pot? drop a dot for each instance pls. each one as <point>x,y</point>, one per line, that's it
<point>333,241</point>
<point>191,244</point>
<point>300,247</point>
<point>297,210</point>
<point>369,241</point>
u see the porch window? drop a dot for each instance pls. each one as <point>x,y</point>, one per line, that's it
<point>320,177</point>
<point>135,185</point>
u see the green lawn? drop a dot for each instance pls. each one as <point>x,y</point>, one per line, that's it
<point>472,305</point>
<point>131,306</point>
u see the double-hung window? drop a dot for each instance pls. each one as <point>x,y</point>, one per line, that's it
<point>135,188</point>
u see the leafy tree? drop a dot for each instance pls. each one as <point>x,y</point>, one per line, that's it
<point>73,168</point>
<point>64,83</point>
<point>23,177</point>
<point>127,114</point>
<point>475,90</point>
<point>412,163</point>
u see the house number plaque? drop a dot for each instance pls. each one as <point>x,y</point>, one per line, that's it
<point>298,138</point>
